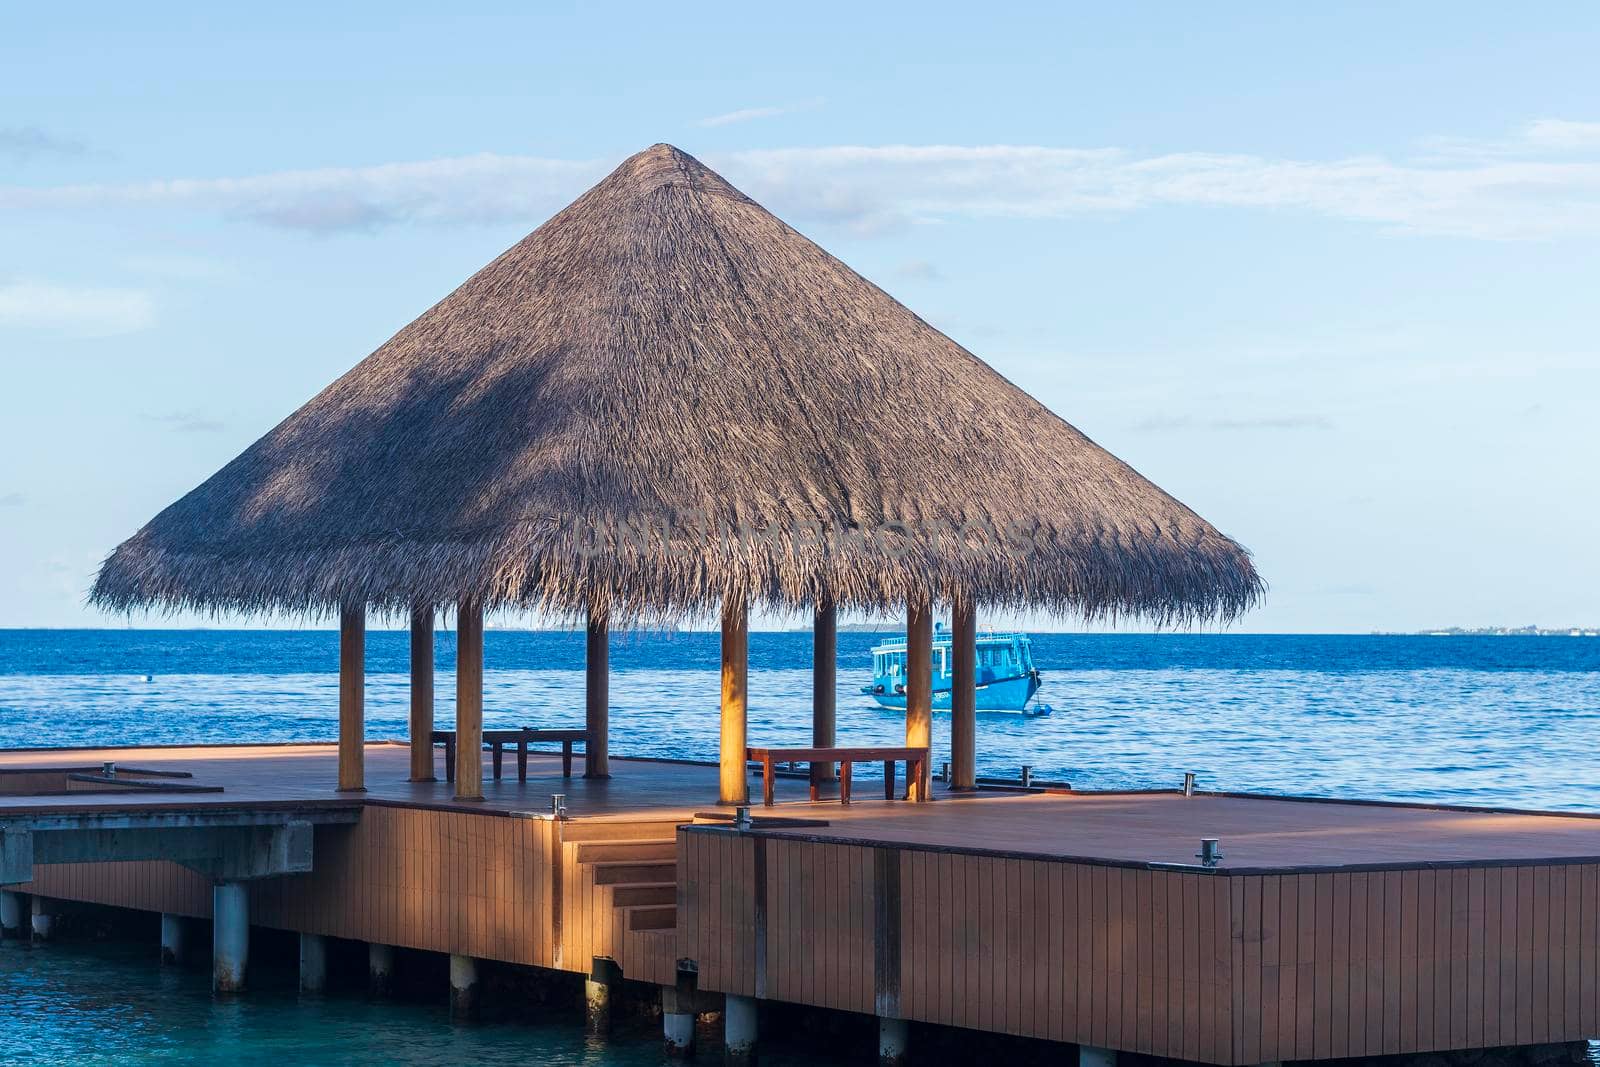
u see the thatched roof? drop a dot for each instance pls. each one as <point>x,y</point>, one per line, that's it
<point>662,397</point>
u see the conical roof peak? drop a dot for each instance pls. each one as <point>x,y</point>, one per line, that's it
<point>663,165</point>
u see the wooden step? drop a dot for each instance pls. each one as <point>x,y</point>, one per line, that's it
<point>630,872</point>
<point>600,851</point>
<point>651,917</point>
<point>632,896</point>
<point>661,829</point>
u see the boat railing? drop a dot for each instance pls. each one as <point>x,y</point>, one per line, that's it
<point>983,635</point>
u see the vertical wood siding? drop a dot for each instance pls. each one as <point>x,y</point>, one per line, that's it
<point>1223,969</point>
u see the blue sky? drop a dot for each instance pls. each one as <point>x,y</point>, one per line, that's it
<point>1327,275</point>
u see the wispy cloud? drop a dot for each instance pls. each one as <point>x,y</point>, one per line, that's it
<point>74,310</point>
<point>1543,182</point>
<point>919,270</point>
<point>873,189</point>
<point>22,143</point>
<point>749,114</point>
<point>1265,422</point>
<point>467,189</point>
<point>742,115</point>
<point>12,500</point>
<point>190,421</point>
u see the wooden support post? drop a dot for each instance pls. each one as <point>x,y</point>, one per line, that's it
<point>919,690</point>
<point>735,781</point>
<point>597,698</point>
<point>964,696</point>
<point>824,690</point>
<point>469,700</point>
<point>422,693</point>
<point>352,698</point>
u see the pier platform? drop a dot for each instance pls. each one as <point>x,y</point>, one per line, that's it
<point>1327,930</point>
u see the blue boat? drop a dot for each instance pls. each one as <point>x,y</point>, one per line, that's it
<point>1007,679</point>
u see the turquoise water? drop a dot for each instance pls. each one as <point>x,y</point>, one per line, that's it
<point>109,1002</point>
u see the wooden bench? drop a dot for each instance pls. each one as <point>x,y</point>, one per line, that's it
<point>916,761</point>
<point>522,738</point>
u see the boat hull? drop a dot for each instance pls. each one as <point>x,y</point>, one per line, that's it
<point>1008,694</point>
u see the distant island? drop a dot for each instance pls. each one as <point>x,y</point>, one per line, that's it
<point>1511,631</point>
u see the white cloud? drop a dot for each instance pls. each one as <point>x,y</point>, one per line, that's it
<point>77,311</point>
<point>1541,183</point>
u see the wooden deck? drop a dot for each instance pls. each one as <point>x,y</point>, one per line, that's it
<point>1329,929</point>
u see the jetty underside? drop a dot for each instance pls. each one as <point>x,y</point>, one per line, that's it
<point>1327,930</point>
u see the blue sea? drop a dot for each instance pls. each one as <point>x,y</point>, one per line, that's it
<point>1478,720</point>
<point>1474,720</point>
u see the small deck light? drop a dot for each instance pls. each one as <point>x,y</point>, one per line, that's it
<point>1027,776</point>
<point>741,818</point>
<point>558,805</point>
<point>1210,853</point>
<point>108,769</point>
<point>1188,783</point>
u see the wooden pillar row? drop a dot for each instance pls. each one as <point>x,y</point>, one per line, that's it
<point>469,700</point>
<point>964,696</point>
<point>422,693</point>
<point>919,691</point>
<point>352,698</point>
<point>597,698</point>
<point>824,686</point>
<point>734,785</point>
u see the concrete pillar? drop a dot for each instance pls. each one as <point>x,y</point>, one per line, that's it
<point>313,963</point>
<point>44,919</point>
<point>463,988</point>
<point>230,937</point>
<point>597,997</point>
<point>739,1029</point>
<point>1090,1056</point>
<point>677,1023</point>
<point>892,1037</point>
<point>11,908</point>
<point>172,946</point>
<point>380,969</point>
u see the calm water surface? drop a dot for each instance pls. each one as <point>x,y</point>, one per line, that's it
<point>87,1003</point>
<point>1481,720</point>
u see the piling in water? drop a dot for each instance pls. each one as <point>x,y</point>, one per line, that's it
<point>230,937</point>
<point>463,988</point>
<point>380,969</point>
<point>172,942</point>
